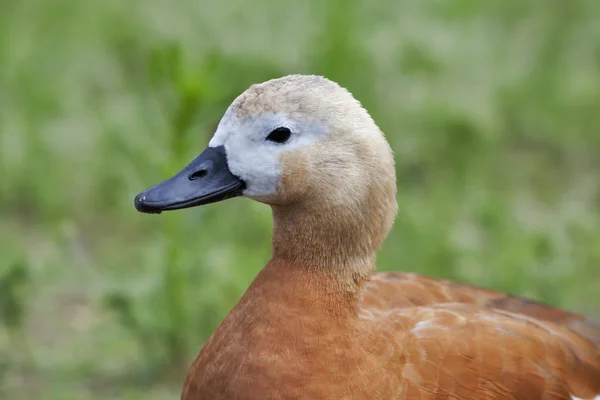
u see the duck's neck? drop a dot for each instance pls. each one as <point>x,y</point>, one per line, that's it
<point>301,288</point>
<point>328,240</point>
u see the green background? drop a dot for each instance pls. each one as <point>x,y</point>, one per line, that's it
<point>492,108</point>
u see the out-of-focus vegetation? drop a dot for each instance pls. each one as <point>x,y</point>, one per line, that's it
<point>492,108</point>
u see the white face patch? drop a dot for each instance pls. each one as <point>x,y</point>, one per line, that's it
<point>253,158</point>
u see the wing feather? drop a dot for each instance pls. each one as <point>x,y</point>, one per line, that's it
<point>478,353</point>
<point>393,290</point>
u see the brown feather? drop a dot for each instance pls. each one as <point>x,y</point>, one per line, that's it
<point>300,335</point>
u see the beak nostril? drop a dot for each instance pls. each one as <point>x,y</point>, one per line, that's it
<point>198,174</point>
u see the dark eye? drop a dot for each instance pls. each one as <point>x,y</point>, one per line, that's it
<point>279,135</point>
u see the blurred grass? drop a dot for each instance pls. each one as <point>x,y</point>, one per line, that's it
<point>492,108</point>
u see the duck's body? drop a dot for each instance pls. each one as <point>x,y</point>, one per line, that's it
<point>294,337</point>
<point>316,323</point>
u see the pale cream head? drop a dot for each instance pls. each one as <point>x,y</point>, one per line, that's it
<point>334,177</point>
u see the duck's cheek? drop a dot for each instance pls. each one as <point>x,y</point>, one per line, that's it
<point>258,169</point>
<point>295,174</point>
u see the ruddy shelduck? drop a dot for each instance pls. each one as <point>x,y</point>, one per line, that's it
<point>317,322</point>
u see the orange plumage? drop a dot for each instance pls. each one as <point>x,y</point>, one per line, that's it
<point>297,336</point>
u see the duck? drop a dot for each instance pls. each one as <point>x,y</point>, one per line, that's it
<point>318,322</point>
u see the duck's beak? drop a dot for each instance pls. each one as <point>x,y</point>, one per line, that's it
<point>207,179</point>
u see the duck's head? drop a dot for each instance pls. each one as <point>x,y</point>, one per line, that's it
<point>303,145</point>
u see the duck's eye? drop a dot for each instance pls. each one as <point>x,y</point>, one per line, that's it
<point>279,135</point>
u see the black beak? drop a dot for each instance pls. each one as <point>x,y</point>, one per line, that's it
<point>205,180</point>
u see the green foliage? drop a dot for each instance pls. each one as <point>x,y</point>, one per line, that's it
<point>12,297</point>
<point>492,109</point>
